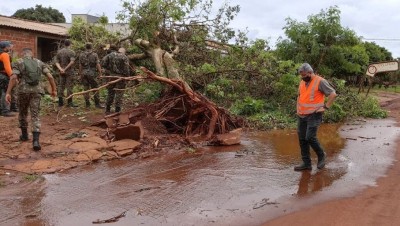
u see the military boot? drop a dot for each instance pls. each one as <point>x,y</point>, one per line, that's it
<point>97,103</point>
<point>303,167</point>
<point>13,107</point>
<point>60,102</point>
<point>321,161</point>
<point>87,103</point>
<point>71,104</point>
<point>108,110</point>
<point>24,134</point>
<point>7,114</point>
<point>35,141</point>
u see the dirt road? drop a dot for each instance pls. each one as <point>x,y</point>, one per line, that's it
<point>241,185</point>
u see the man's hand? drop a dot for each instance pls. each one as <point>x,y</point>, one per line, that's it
<point>53,93</point>
<point>8,98</point>
<point>62,71</point>
<point>321,109</point>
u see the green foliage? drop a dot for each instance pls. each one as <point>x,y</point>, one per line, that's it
<point>41,14</point>
<point>81,33</point>
<point>148,92</point>
<point>322,41</point>
<point>377,53</point>
<point>272,120</point>
<point>31,177</point>
<point>248,106</point>
<point>370,108</point>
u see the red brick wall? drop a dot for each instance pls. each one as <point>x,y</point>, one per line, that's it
<point>20,39</point>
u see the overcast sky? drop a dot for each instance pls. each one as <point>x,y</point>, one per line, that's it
<point>374,20</point>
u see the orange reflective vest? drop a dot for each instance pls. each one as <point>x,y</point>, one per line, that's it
<point>310,99</point>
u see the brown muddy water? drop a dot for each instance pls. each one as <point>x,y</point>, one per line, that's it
<point>246,184</point>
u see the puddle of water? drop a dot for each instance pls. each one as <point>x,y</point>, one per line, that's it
<point>245,184</point>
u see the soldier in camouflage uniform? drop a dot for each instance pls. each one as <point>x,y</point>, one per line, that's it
<point>28,71</point>
<point>88,63</point>
<point>117,63</point>
<point>65,58</point>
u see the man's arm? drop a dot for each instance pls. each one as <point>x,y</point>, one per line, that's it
<point>99,69</point>
<point>330,100</point>
<point>50,78</point>
<point>71,60</point>
<point>98,66</point>
<point>11,84</point>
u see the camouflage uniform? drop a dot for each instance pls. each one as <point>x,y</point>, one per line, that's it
<point>64,57</point>
<point>29,96</point>
<point>118,65</point>
<point>88,60</point>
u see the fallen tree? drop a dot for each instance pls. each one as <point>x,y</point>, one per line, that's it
<point>180,111</point>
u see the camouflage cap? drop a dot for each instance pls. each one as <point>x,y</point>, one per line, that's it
<point>4,44</point>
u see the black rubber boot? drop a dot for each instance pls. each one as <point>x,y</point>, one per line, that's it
<point>7,114</point>
<point>97,104</point>
<point>117,109</point>
<point>24,134</point>
<point>321,161</point>
<point>35,142</point>
<point>303,167</point>
<point>60,102</point>
<point>108,109</point>
<point>71,104</point>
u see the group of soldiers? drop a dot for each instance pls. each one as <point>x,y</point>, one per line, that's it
<point>24,75</point>
<point>90,68</point>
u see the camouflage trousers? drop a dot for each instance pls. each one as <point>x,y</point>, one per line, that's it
<point>114,92</point>
<point>89,82</point>
<point>66,82</point>
<point>29,101</point>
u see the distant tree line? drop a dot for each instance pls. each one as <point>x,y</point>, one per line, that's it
<point>40,14</point>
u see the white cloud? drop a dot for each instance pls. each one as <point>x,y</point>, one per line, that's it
<point>374,19</point>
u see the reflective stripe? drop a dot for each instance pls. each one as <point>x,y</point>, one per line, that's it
<point>312,105</point>
<point>313,88</point>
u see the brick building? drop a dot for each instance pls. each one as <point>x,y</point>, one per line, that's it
<point>41,37</point>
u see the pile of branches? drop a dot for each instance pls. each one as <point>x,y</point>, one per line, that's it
<point>187,112</point>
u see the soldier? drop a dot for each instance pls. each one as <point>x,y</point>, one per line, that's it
<point>28,71</point>
<point>118,65</point>
<point>65,58</point>
<point>88,63</point>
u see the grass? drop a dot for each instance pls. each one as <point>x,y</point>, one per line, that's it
<point>31,177</point>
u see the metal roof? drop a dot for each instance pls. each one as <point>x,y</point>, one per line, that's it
<point>33,26</point>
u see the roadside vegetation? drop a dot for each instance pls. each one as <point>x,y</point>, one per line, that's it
<point>245,76</point>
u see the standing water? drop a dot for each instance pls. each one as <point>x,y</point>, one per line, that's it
<point>245,184</point>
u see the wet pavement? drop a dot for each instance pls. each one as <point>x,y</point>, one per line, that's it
<point>246,184</point>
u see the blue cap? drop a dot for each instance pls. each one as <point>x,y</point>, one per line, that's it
<point>4,44</point>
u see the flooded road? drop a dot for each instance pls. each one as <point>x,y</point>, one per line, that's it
<point>246,184</point>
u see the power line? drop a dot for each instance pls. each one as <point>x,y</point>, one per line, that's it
<point>381,39</point>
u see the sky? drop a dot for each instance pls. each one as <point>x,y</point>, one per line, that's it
<point>375,20</point>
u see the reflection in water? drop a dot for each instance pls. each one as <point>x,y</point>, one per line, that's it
<point>312,182</point>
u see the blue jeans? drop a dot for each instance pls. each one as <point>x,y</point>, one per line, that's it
<point>4,107</point>
<point>307,128</point>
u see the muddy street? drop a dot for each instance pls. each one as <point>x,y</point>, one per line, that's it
<point>246,184</point>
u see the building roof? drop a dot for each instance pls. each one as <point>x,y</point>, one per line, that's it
<point>33,26</point>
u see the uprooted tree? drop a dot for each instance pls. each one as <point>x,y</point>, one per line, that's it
<point>156,28</point>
